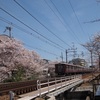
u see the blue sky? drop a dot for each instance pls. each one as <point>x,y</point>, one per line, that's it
<point>56,26</point>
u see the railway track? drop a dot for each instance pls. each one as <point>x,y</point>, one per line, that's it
<point>19,88</point>
<point>25,87</point>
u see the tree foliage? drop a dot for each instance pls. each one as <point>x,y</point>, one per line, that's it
<point>13,56</point>
<point>93,45</point>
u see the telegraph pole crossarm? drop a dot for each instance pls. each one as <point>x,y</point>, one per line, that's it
<point>9,29</point>
<point>73,49</point>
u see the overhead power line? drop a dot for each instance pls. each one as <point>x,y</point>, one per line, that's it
<point>77,18</point>
<point>40,49</point>
<point>27,32</point>
<point>31,28</point>
<point>75,36</point>
<point>41,23</point>
<point>92,21</point>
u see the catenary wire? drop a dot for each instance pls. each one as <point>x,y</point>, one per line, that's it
<point>31,28</point>
<point>77,18</point>
<point>75,36</point>
<point>42,50</point>
<point>24,30</point>
<point>41,23</point>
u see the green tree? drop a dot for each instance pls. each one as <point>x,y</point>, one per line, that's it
<point>18,74</point>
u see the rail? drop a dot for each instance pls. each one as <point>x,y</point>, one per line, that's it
<point>39,87</point>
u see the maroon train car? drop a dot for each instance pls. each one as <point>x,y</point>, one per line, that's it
<point>65,69</point>
<point>60,69</point>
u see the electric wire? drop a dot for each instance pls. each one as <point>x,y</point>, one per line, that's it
<point>77,18</point>
<point>75,36</point>
<point>27,32</point>
<point>40,49</point>
<point>54,13</point>
<point>31,28</point>
<point>6,21</point>
<point>41,23</point>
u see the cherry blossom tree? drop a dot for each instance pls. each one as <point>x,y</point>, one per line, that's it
<point>93,47</point>
<point>14,55</point>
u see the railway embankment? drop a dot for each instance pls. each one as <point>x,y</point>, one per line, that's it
<point>87,85</point>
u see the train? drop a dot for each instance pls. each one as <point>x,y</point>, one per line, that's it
<point>66,69</point>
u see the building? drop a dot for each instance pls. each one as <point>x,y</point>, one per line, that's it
<point>78,61</point>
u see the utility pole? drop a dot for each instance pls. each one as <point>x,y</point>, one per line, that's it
<point>62,56</point>
<point>73,49</point>
<point>66,56</point>
<point>91,58</point>
<point>99,62</point>
<point>9,29</point>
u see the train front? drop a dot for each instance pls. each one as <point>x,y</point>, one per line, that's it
<point>60,69</point>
